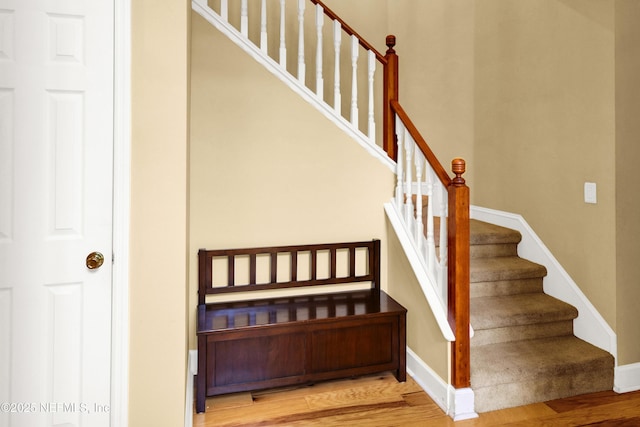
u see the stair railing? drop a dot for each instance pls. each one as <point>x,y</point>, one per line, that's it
<point>441,235</point>
<point>361,60</point>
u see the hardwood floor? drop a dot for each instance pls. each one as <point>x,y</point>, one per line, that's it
<point>379,400</point>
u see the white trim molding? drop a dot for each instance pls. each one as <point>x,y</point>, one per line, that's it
<point>589,326</point>
<point>420,272</point>
<point>121,207</point>
<point>192,370</point>
<point>457,403</point>
<point>627,378</point>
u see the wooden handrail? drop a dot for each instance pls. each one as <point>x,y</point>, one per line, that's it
<point>389,63</point>
<point>420,142</point>
<point>458,241</point>
<point>331,14</point>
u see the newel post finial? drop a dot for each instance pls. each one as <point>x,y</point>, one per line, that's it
<point>458,166</point>
<point>391,42</point>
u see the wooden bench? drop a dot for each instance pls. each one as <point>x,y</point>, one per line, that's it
<point>280,341</point>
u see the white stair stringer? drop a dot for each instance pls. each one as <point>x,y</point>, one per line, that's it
<point>211,16</point>
<point>427,283</point>
<point>589,326</point>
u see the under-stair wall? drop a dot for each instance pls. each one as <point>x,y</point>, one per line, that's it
<point>266,168</point>
<point>445,392</point>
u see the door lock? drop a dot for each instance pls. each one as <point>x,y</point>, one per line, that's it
<point>94,260</point>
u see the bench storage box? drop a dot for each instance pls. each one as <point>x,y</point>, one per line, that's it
<point>280,341</point>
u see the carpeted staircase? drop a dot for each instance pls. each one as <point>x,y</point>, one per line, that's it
<point>523,350</point>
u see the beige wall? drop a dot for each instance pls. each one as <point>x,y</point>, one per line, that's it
<point>266,167</point>
<point>536,94</point>
<point>556,105</point>
<point>158,274</point>
<point>545,124</point>
<point>436,53</point>
<point>424,337</point>
<point>627,179</point>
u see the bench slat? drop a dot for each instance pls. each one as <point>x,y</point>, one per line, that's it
<point>206,271</point>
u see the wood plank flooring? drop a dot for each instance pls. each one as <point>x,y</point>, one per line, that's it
<point>379,400</point>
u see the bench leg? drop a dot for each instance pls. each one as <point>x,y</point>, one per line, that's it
<point>401,373</point>
<point>200,399</point>
<point>201,378</point>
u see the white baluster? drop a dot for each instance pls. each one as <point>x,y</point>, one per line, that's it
<point>419,231</point>
<point>263,26</point>
<point>431,244</point>
<point>224,10</point>
<point>372,123</point>
<point>319,79</point>
<point>399,172</point>
<point>244,18</point>
<point>408,190</point>
<point>444,259</point>
<point>283,45</point>
<point>301,65</point>
<point>337,97</point>
<point>354,80</point>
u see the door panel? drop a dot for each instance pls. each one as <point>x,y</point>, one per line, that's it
<point>56,143</point>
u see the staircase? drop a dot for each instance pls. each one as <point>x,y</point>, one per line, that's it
<point>523,350</point>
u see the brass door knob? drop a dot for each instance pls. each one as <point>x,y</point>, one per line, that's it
<point>94,260</point>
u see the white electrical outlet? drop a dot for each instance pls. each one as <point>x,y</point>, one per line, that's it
<point>590,192</point>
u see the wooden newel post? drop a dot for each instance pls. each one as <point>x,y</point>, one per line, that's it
<point>458,274</point>
<point>390,93</point>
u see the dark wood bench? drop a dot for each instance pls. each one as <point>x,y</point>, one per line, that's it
<point>285,340</point>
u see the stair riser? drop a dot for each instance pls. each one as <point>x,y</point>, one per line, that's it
<point>519,310</point>
<point>486,251</point>
<point>541,389</point>
<point>491,276</point>
<point>523,361</point>
<point>477,277</point>
<point>506,287</point>
<point>516,333</point>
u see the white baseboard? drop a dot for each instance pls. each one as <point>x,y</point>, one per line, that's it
<point>457,403</point>
<point>192,369</point>
<point>627,378</point>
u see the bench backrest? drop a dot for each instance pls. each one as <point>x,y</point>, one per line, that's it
<point>287,257</point>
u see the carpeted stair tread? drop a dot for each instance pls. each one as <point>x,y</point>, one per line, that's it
<point>504,268</point>
<point>517,310</point>
<point>487,240</point>
<point>483,233</point>
<point>528,359</point>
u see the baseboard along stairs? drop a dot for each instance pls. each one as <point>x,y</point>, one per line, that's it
<point>523,350</point>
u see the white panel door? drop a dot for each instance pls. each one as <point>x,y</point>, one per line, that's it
<point>56,143</point>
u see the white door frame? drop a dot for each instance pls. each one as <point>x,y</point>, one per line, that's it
<point>121,215</point>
